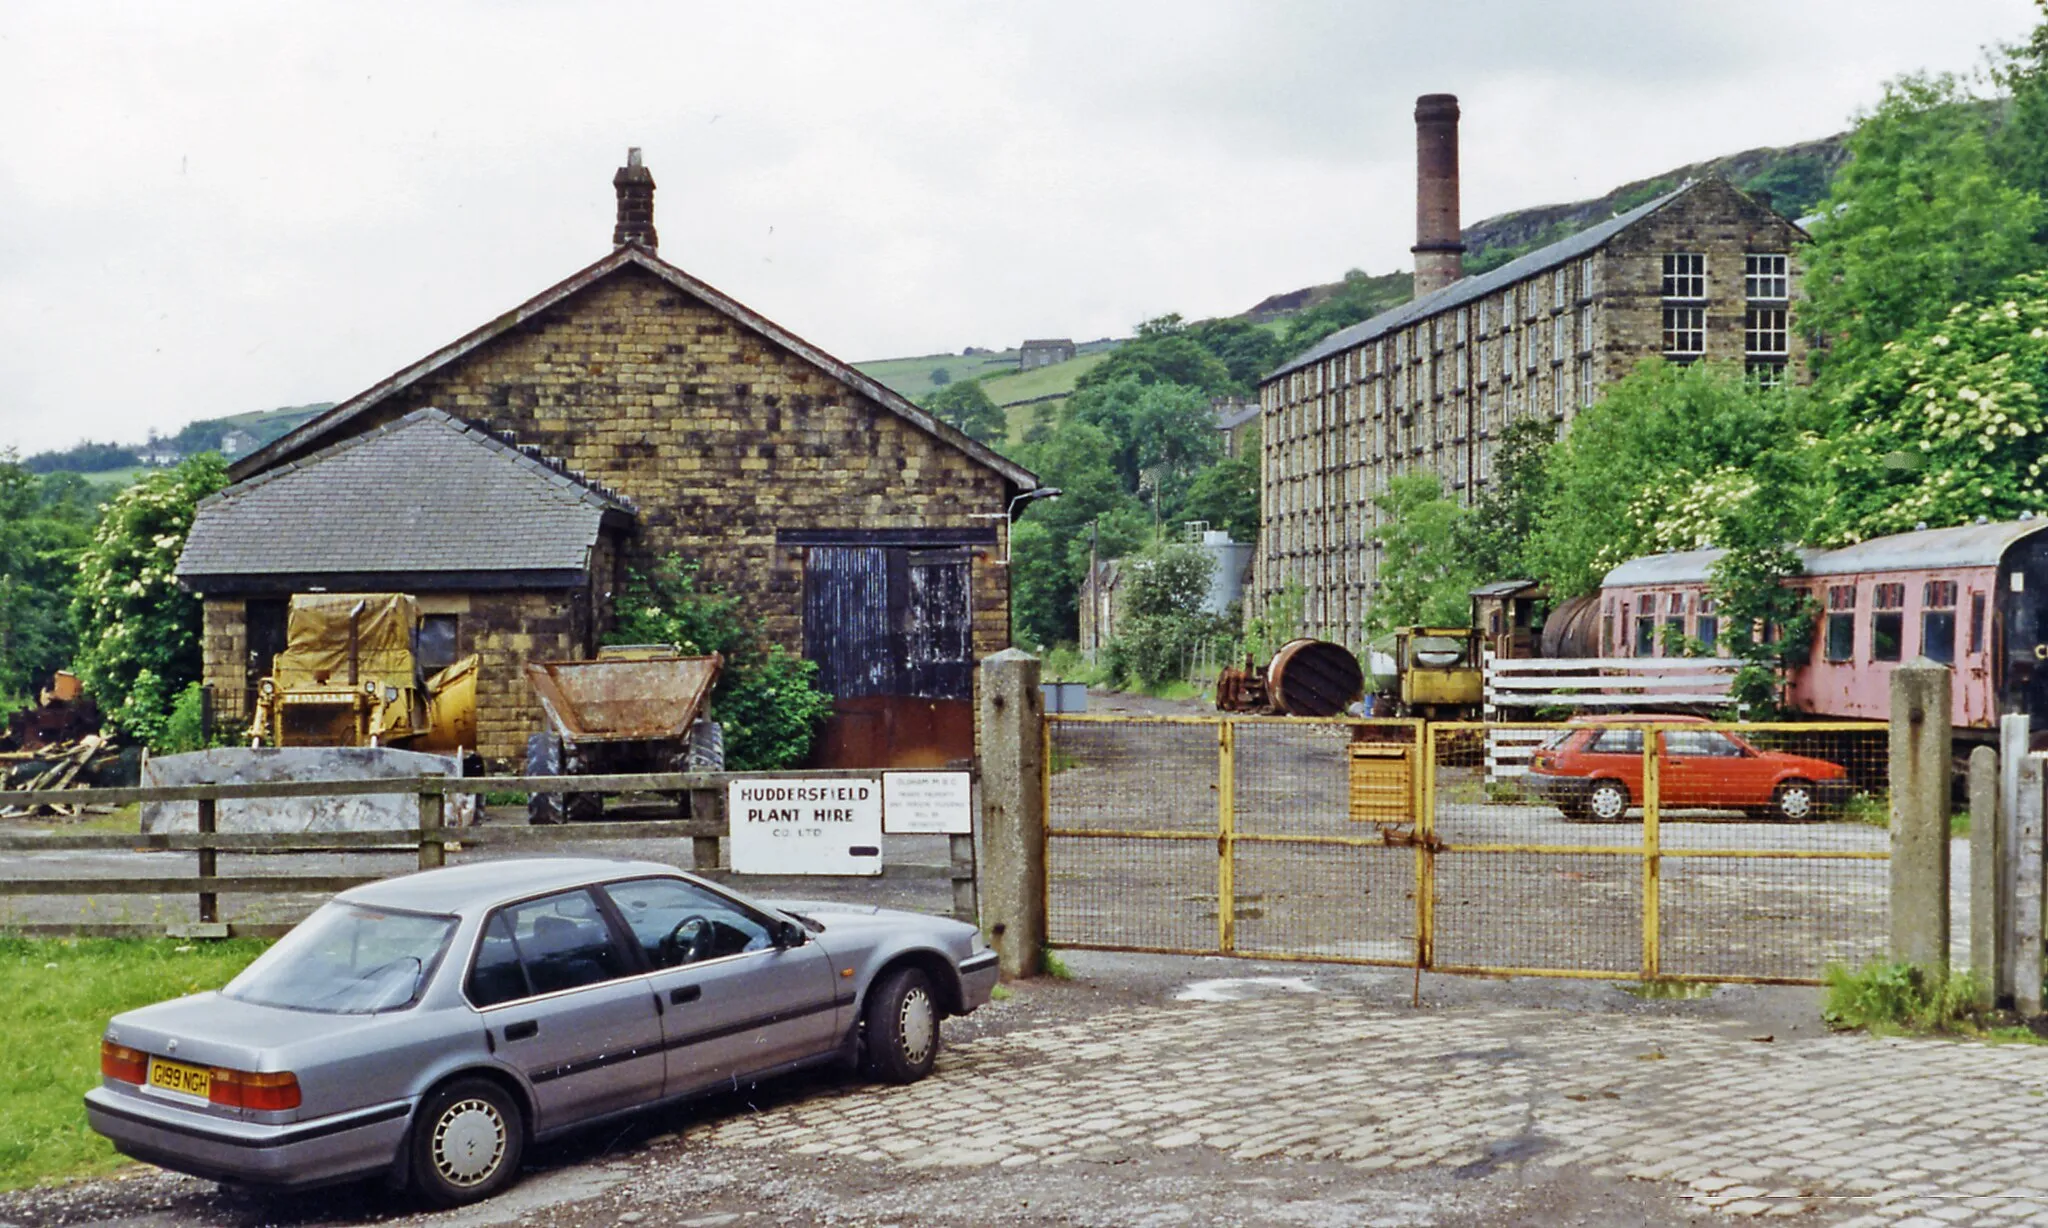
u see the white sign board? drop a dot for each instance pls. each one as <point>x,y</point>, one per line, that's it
<point>805,826</point>
<point>935,803</point>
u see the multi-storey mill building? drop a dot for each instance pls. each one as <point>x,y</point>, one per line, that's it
<point>1702,272</point>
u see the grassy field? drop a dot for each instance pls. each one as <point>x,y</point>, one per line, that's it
<point>55,998</point>
<point>912,377</point>
<point>1040,381</point>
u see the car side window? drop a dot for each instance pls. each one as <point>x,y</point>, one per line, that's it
<point>1700,743</point>
<point>678,922</point>
<point>563,942</point>
<point>1618,742</point>
<point>497,976</point>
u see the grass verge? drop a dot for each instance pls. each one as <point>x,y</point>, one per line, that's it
<point>1894,999</point>
<point>55,998</point>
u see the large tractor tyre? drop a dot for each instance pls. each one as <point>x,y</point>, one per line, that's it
<point>544,758</point>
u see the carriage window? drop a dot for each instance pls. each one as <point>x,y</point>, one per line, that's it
<point>1976,623</point>
<point>1709,624</point>
<point>1887,622</point>
<point>1674,625</point>
<point>1646,629</point>
<point>1938,621</point>
<point>1841,636</point>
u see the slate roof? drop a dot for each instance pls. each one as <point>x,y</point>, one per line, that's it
<point>427,493</point>
<point>844,372</point>
<point>1966,545</point>
<point>1471,288</point>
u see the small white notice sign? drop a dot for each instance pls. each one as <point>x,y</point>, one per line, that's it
<point>935,803</point>
<point>805,826</point>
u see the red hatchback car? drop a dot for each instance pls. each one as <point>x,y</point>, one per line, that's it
<point>1594,770</point>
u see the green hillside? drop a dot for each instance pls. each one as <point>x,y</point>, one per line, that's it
<point>912,377</point>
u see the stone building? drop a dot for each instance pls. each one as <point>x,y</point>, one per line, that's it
<point>865,533</point>
<point>1044,352</point>
<point>1703,272</point>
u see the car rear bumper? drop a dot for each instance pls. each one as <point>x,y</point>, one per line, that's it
<point>978,973</point>
<point>296,1153</point>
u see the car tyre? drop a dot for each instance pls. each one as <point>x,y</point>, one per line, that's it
<point>467,1140</point>
<point>1608,801</point>
<point>1796,801</point>
<point>900,1027</point>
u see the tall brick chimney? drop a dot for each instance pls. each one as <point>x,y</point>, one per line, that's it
<point>635,186</point>
<point>1439,243</point>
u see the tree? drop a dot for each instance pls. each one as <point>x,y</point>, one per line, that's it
<point>44,524</point>
<point>1049,545</point>
<point>138,631</point>
<point>1162,622</point>
<point>1159,435</point>
<point>1247,350</point>
<point>1921,218</point>
<point>1948,423</point>
<point>965,404</point>
<point>1163,352</point>
<point>1427,578</point>
<point>940,377</point>
<point>1495,536</point>
<point>767,700</point>
<point>1359,297</point>
<point>1226,494</point>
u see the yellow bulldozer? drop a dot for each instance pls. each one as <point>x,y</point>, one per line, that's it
<point>350,675</point>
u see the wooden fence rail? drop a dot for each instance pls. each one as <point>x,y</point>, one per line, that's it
<point>431,840</point>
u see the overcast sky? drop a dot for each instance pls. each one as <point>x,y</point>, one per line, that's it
<point>209,209</point>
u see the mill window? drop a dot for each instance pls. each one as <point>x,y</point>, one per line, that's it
<point>1764,276</point>
<point>1586,388</point>
<point>1764,374</point>
<point>1507,352</point>
<point>1763,330</point>
<point>1685,331</point>
<point>1561,282</point>
<point>1685,275</point>
<point>1485,316</point>
<point>1887,622</point>
<point>1938,621</point>
<point>1841,629</point>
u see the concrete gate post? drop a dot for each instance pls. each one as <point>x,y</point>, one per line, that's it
<point>1987,922</point>
<point>1920,747</point>
<point>1013,811</point>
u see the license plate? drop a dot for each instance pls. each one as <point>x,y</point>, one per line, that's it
<point>180,1079</point>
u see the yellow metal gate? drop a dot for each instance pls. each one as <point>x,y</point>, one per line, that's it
<point>1403,844</point>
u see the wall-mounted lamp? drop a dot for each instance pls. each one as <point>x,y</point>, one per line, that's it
<point>1009,515</point>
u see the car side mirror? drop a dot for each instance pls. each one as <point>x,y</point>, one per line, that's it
<point>790,934</point>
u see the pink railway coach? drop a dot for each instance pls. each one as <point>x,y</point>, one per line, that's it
<point>1970,596</point>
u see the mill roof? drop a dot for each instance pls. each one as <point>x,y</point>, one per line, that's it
<point>622,258</point>
<point>426,493</point>
<point>1471,289</point>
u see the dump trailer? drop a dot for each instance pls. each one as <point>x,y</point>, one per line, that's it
<point>350,675</point>
<point>632,709</point>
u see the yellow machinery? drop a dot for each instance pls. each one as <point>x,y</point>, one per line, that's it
<point>350,676</point>
<point>1439,671</point>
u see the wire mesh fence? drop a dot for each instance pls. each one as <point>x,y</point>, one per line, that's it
<point>1674,848</point>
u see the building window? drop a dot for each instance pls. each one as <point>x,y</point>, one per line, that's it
<point>437,649</point>
<point>1685,331</point>
<point>1485,315</point>
<point>1507,307</point>
<point>1685,275</point>
<point>1586,282</point>
<point>1585,329</point>
<point>1765,374</point>
<point>1560,337</point>
<point>1462,325</point>
<point>1401,346</point>
<point>1764,276</point>
<point>1560,394</point>
<point>1841,627</point>
<point>1585,381</point>
<point>1507,352</point>
<point>1560,282</point>
<point>1708,624</point>
<point>1464,359</point>
<point>1763,330</point>
<point>1938,621</point>
<point>1483,373</point>
<point>1887,622</point>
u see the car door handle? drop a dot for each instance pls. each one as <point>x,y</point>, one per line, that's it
<point>688,993</point>
<point>522,1030</point>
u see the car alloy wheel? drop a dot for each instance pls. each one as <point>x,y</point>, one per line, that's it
<point>900,1026</point>
<point>467,1142</point>
<point>1795,801</point>
<point>1608,801</point>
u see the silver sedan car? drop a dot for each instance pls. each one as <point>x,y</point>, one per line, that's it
<point>430,1027</point>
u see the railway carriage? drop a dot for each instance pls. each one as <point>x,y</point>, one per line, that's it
<point>1971,597</point>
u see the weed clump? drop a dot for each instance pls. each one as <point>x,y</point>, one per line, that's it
<point>1893,999</point>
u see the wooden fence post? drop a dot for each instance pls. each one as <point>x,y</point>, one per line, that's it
<point>1013,810</point>
<point>705,804</point>
<point>209,903</point>
<point>1987,921</point>
<point>433,841</point>
<point>1920,748</point>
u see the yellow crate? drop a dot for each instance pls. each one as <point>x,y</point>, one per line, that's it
<point>1382,782</point>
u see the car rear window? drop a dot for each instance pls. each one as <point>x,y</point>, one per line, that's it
<point>347,959</point>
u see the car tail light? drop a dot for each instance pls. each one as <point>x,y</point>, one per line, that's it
<point>241,1089</point>
<point>122,1063</point>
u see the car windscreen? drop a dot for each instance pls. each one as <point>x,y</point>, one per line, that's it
<point>347,959</point>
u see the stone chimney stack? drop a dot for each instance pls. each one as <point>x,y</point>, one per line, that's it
<point>635,186</point>
<point>1439,242</point>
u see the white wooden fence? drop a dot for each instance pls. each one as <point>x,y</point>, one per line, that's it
<point>1517,689</point>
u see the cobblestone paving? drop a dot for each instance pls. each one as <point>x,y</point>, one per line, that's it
<point>1839,1129</point>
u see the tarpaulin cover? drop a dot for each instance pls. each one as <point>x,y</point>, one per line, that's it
<point>317,634</point>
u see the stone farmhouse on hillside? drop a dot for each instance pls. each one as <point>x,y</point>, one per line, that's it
<point>513,479</point>
<point>1700,272</point>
